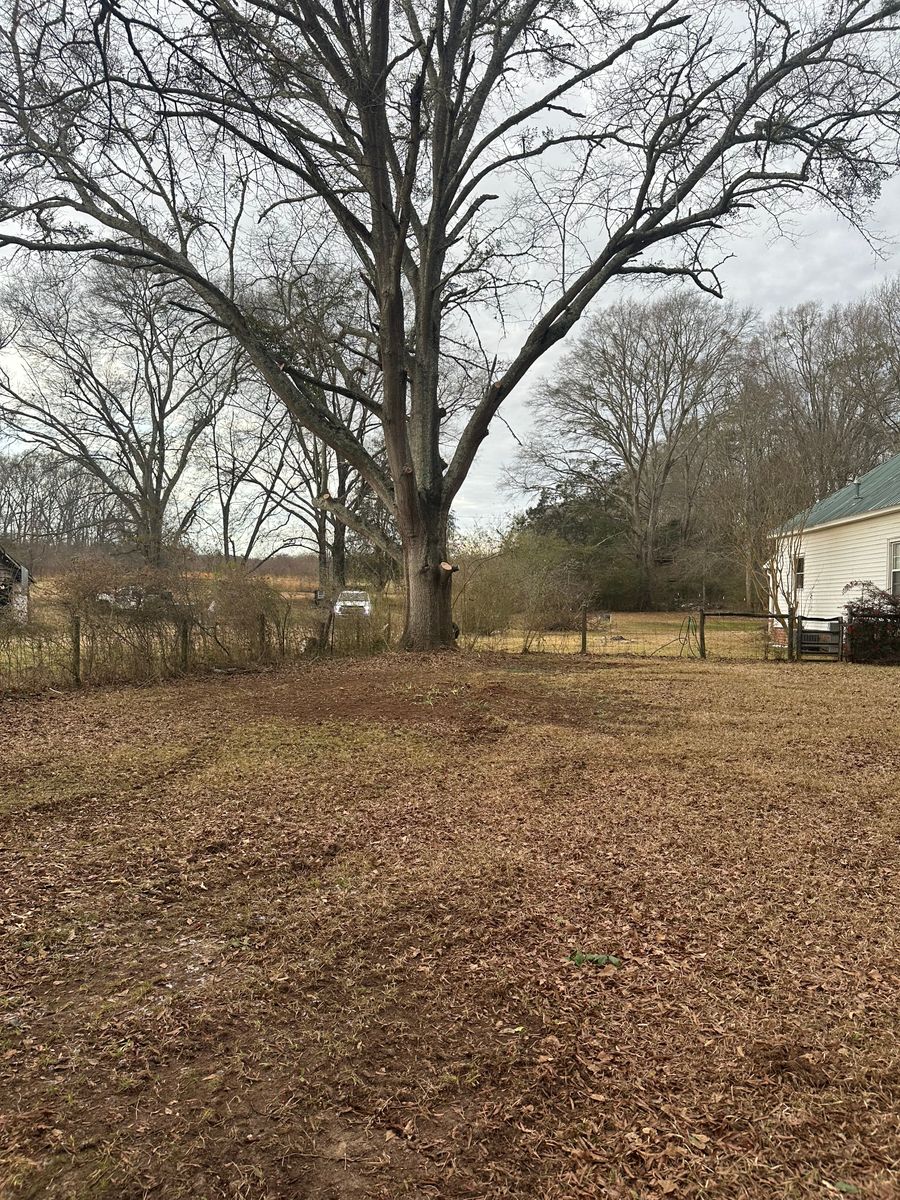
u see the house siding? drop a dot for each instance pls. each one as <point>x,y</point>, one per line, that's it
<point>836,556</point>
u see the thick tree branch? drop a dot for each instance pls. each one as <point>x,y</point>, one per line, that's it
<point>357,523</point>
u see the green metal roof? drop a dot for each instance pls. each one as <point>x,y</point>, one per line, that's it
<point>877,489</point>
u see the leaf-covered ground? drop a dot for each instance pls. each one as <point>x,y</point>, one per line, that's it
<point>339,933</point>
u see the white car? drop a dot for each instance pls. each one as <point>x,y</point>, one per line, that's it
<point>133,598</point>
<point>349,603</point>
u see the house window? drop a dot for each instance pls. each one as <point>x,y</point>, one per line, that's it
<point>894,580</point>
<point>798,572</point>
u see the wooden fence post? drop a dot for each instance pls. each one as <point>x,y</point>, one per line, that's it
<point>262,637</point>
<point>76,650</point>
<point>284,626</point>
<point>584,616</point>
<point>701,632</point>
<point>791,644</point>
<point>184,644</point>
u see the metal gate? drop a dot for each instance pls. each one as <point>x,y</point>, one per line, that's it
<point>820,637</point>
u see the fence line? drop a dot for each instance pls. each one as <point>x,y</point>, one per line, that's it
<point>89,649</point>
<point>744,637</point>
<point>83,650</point>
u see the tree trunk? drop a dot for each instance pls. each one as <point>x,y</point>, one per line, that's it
<point>322,547</point>
<point>429,591</point>
<point>151,540</point>
<point>645,590</point>
<point>339,554</point>
<point>227,546</point>
<point>646,565</point>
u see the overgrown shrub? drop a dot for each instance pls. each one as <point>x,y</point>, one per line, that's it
<point>238,596</point>
<point>98,585</point>
<point>552,586</point>
<point>524,580</point>
<point>873,624</point>
<point>486,589</point>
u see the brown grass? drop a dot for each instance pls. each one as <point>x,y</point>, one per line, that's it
<point>309,934</point>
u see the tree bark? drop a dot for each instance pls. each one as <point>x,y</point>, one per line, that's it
<point>322,547</point>
<point>429,621</point>
<point>646,561</point>
<point>151,540</point>
<point>339,554</point>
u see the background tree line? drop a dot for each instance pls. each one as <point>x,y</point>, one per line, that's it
<point>679,431</point>
<point>682,431</point>
<point>126,423</point>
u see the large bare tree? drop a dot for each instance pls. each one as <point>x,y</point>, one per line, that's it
<point>754,481</point>
<point>460,153</point>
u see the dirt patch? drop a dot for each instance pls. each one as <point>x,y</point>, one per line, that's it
<point>454,926</point>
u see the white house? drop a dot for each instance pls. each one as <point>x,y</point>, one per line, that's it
<point>852,535</point>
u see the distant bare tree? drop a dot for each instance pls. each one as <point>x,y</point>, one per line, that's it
<point>245,456</point>
<point>753,483</point>
<point>269,478</point>
<point>49,500</point>
<point>107,374</point>
<point>630,405</point>
<point>459,154</point>
<point>319,315</point>
<point>828,377</point>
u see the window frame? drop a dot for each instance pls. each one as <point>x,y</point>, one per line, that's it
<point>799,572</point>
<point>892,571</point>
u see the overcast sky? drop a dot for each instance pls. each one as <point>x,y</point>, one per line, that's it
<point>826,261</point>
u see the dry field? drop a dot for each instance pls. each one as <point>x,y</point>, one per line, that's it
<point>321,934</point>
